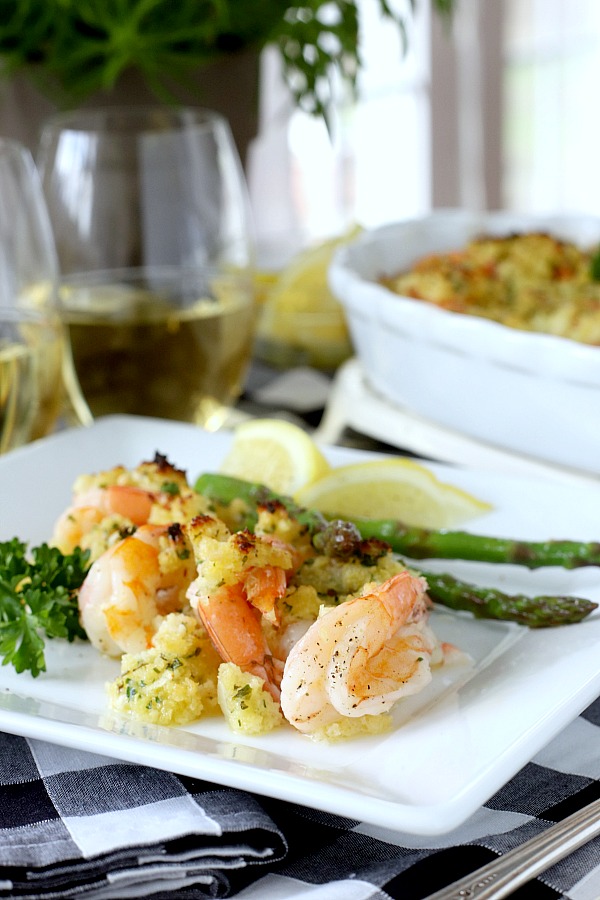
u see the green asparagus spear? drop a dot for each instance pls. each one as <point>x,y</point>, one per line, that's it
<point>488,603</point>
<point>422,543</point>
<point>535,612</point>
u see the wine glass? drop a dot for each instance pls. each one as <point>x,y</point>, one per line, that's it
<point>153,231</point>
<point>31,341</point>
<point>34,353</point>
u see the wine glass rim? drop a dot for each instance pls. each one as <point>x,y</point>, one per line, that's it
<point>135,119</point>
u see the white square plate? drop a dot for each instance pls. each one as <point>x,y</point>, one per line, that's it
<point>455,744</point>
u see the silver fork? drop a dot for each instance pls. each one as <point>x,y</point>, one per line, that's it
<point>515,868</point>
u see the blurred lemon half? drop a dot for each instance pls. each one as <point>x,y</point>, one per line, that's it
<point>301,322</point>
<point>395,488</point>
<point>276,453</point>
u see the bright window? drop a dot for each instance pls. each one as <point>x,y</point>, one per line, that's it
<point>552,73</point>
<point>374,167</point>
<point>501,112</point>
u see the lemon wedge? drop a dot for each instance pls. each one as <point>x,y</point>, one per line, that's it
<point>300,313</point>
<point>394,488</point>
<point>276,453</point>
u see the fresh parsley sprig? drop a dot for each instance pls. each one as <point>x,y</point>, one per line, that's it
<point>38,598</point>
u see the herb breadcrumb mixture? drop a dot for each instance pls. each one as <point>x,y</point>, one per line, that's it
<point>248,708</point>
<point>175,681</point>
<point>530,281</point>
<point>181,678</point>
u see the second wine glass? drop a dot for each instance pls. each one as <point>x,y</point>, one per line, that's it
<point>154,237</point>
<point>37,384</point>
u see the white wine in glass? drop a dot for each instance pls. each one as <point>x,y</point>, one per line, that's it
<point>31,349</point>
<point>34,343</point>
<point>153,231</point>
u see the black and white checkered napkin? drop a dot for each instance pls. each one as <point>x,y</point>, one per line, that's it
<point>75,824</point>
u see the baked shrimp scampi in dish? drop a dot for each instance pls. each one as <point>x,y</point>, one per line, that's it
<point>262,625</point>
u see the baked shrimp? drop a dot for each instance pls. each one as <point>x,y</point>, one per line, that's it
<point>108,506</point>
<point>132,585</point>
<point>361,657</point>
<point>241,577</point>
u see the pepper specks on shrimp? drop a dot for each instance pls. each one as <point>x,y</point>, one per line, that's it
<point>360,658</point>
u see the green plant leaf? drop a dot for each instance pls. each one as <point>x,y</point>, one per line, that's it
<point>73,48</point>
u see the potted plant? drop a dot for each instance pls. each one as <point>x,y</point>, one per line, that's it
<point>78,52</point>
